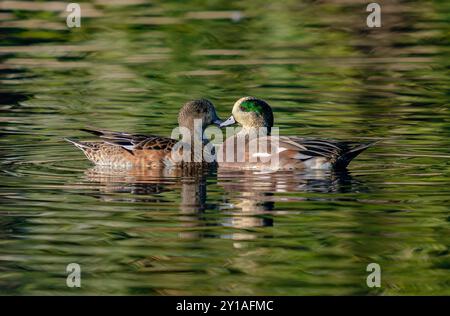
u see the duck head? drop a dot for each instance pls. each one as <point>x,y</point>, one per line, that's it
<point>251,112</point>
<point>201,109</point>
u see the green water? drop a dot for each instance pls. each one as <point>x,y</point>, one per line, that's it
<point>131,66</point>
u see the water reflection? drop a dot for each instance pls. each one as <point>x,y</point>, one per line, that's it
<point>148,183</point>
<point>249,196</point>
<point>129,67</point>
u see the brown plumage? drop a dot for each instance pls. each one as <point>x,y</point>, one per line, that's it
<point>118,149</point>
<point>265,151</point>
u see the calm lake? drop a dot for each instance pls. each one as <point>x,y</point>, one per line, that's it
<point>130,67</point>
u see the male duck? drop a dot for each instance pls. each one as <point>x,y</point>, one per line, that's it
<point>285,153</point>
<point>121,150</point>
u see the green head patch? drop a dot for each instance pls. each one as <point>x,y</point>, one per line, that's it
<point>251,106</point>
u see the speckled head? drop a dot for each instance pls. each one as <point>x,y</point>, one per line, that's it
<point>251,112</point>
<point>201,109</point>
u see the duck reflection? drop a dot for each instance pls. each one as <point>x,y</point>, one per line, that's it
<point>252,195</point>
<point>149,185</point>
<point>146,185</point>
<point>249,197</point>
<point>319,181</point>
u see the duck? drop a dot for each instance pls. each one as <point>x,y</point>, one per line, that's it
<point>127,150</point>
<point>256,118</point>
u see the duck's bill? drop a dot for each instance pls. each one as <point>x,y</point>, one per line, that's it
<point>217,121</point>
<point>229,121</point>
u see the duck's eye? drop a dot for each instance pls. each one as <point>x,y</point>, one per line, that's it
<point>251,106</point>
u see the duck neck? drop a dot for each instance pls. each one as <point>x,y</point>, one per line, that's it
<point>193,133</point>
<point>194,142</point>
<point>255,131</point>
<point>197,136</point>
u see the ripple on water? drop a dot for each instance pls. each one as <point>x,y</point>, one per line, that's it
<point>130,67</point>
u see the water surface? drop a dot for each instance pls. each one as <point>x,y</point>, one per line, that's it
<point>132,65</point>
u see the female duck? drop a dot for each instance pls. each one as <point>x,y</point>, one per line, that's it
<point>263,150</point>
<point>121,150</point>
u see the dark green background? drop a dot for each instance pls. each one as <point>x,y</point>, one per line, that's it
<point>131,66</point>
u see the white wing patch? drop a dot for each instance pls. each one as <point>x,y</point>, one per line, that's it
<point>264,155</point>
<point>302,156</point>
<point>317,163</point>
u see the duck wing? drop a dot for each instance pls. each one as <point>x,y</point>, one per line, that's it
<point>339,154</point>
<point>133,142</point>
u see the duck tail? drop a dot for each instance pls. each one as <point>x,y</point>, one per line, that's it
<point>81,145</point>
<point>348,156</point>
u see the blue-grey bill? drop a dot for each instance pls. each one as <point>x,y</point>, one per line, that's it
<point>229,121</point>
<point>217,121</point>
